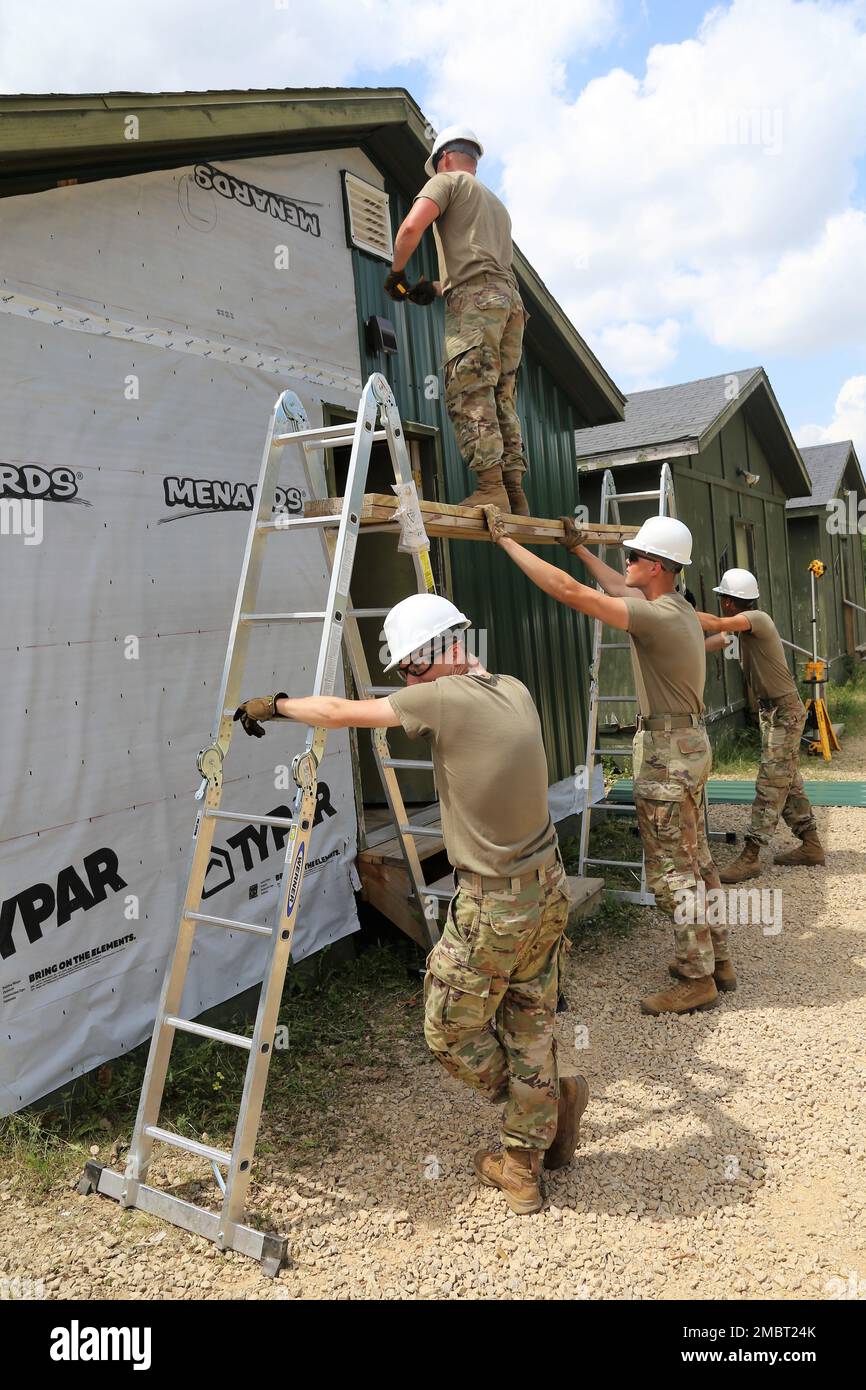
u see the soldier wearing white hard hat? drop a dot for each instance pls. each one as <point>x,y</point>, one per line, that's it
<point>782,716</point>
<point>671,751</point>
<point>484,314</point>
<point>492,981</point>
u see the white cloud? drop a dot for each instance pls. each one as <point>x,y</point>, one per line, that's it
<point>636,353</point>
<point>849,420</point>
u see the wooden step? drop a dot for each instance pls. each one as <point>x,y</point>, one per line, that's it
<point>467,523</point>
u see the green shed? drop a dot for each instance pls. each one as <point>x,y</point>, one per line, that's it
<point>829,525</point>
<point>734,466</point>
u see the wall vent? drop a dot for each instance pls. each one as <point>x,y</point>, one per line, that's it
<point>368,215</point>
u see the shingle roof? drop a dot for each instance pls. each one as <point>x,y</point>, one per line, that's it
<point>826,464</point>
<point>667,415</point>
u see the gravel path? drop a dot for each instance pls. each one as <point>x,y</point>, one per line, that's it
<point>723,1154</point>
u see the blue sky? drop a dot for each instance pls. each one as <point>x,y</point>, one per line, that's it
<point>688,179</point>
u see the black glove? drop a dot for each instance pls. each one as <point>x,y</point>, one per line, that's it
<point>251,711</point>
<point>397,286</point>
<point>424,292</point>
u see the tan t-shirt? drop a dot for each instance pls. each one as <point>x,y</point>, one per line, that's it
<point>472,231</point>
<point>491,770</point>
<point>668,654</point>
<point>762,658</point>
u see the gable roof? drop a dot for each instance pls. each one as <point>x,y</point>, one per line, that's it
<point>44,139</point>
<point>674,421</point>
<point>827,465</point>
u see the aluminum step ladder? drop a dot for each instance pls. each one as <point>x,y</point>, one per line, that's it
<point>610,505</point>
<point>377,420</point>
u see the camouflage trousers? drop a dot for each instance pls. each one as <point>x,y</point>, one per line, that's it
<point>484,322</point>
<point>670,773</point>
<point>779,786</point>
<point>490,998</point>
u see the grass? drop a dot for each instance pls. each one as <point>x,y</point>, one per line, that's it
<point>736,751</point>
<point>340,1023</point>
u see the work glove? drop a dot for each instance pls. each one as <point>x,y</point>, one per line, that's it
<point>397,286</point>
<point>496,524</point>
<point>252,711</point>
<point>572,538</point>
<point>424,292</point>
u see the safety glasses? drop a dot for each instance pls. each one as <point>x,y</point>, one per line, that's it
<point>633,556</point>
<point>412,668</point>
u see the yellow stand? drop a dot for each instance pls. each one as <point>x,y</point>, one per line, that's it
<point>816,675</point>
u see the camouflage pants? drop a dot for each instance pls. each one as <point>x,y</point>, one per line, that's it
<point>670,774</point>
<point>490,998</point>
<point>779,786</point>
<point>484,322</point>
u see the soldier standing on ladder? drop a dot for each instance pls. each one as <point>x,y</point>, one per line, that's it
<point>672,756</point>
<point>484,314</point>
<point>782,716</point>
<point>492,980</point>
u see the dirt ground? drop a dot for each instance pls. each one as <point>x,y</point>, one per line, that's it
<point>723,1154</point>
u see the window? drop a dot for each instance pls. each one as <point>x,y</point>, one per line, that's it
<point>744,545</point>
<point>368,217</point>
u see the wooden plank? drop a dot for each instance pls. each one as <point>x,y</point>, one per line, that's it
<point>467,523</point>
<point>585,896</point>
<point>387,887</point>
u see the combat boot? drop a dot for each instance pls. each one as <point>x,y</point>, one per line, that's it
<point>517,1174</point>
<point>683,997</point>
<point>513,480</point>
<point>573,1100</point>
<point>724,975</point>
<point>490,490</point>
<point>809,851</point>
<point>747,865</point>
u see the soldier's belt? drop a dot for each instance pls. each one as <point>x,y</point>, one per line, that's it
<point>656,722</point>
<point>476,884</point>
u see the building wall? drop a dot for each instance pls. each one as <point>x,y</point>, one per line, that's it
<point>528,635</point>
<point>809,540</point>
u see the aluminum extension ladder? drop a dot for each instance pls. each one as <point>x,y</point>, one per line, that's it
<point>610,504</point>
<point>377,419</point>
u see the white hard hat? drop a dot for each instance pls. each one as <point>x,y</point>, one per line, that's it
<point>415,621</point>
<point>664,537</point>
<point>451,132</point>
<point>738,584</point>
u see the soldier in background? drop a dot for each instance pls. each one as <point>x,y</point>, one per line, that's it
<point>484,314</point>
<point>671,751</point>
<point>782,717</point>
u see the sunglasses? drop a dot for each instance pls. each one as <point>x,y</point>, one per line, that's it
<point>634,555</point>
<point>413,668</point>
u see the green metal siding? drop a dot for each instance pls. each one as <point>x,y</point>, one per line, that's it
<point>528,635</point>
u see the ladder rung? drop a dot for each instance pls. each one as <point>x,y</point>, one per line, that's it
<point>410,829</point>
<point>282,617</point>
<point>227,922</point>
<point>288,523</point>
<point>320,432</point>
<point>612,806</point>
<point>369,612</point>
<point>408,762</point>
<point>444,894</point>
<point>612,752</point>
<point>338,440</point>
<point>612,698</point>
<point>381,689</point>
<point>652,496</point>
<point>618,863</point>
<point>283,822</point>
<point>614,646</point>
<point>190,1146</point>
<point>201,1030</point>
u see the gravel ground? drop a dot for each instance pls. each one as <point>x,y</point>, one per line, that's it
<point>723,1154</point>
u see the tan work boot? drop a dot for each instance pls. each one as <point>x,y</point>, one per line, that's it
<point>573,1100</point>
<point>490,490</point>
<point>682,998</point>
<point>746,865</point>
<point>724,974</point>
<point>809,851</point>
<point>513,480</point>
<point>517,1174</point>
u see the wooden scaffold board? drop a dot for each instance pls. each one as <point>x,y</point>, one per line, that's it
<point>467,523</point>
